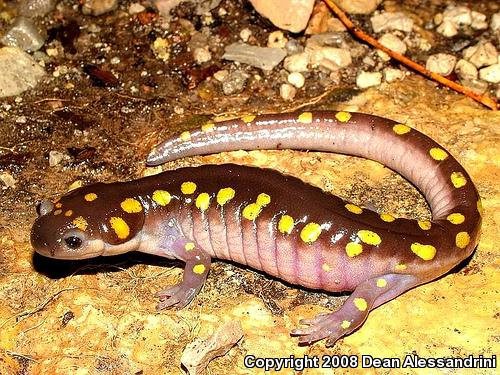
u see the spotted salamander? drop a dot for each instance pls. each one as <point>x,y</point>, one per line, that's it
<point>277,223</point>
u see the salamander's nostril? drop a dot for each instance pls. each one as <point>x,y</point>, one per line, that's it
<point>44,207</point>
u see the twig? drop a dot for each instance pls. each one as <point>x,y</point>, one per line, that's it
<point>485,100</point>
<point>25,356</point>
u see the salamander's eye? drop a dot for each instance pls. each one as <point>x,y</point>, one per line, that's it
<point>73,242</point>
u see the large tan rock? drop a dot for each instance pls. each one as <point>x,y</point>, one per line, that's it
<point>291,15</point>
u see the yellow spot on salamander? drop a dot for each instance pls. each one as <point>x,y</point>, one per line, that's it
<point>131,205</point>
<point>58,205</point>
<point>387,218</point>
<point>345,324</point>
<point>360,304</point>
<point>353,249</point>
<point>438,153</point>
<point>185,136</point>
<point>310,232</point>
<point>68,213</point>
<point>161,197</point>
<point>57,212</point>
<point>120,227</point>
<point>188,187</point>
<point>426,252</point>
<point>199,269</point>
<point>90,197</point>
<point>80,223</point>
<point>189,246</point>
<point>203,201</point>
<point>462,240</point>
<point>263,199</point>
<point>381,283</point>
<point>369,237</point>
<point>225,195</point>
<point>400,267</point>
<point>305,117</point>
<point>248,118</point>
<point>401,129</point>
<point>480,206</point>
<point>343,116</point>
<point>458,179</point>
<point>208,127</point>
<point>456,218</point>
<point>424,224</point>
<point>251,211</point>
<point>326,267</point>
<point>75,185</point>
<point>353,208</point>
<point>286,224</point>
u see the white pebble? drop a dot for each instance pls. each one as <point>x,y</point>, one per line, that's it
<point>221,75</point>
<point>447,29</point>
<point>135,8</point>
<point>297,63</point>
<point>490,73</point>
<point>391,21</point>
<point>52,52</point>
<point>392,74</point>
<point>277,39</point>
<point>296,79</point>
<point>392,42</point>
<point>481,54</point>
<point>466,70</point>
<point>179,110</point>
<point>459,15</point>
<point>441,63</point>
<point>7,179</point>
<point>287,91</point>
<point>495,22</point>
<point>368,79</point>
<point>245,34</point>
<point>478,21</point>
<point>115,60</point>
<point>55,158</point>
<point>202,55</point>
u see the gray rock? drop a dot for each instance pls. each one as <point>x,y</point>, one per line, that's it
<point>261,57</point>
<point>23,34</point>
<point>19,71</point>
<point>36,8</point>
<point>234,82</point>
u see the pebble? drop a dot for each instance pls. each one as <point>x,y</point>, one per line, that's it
<point>476,85</point>
<point>36,8</point>
<point>447,28</point>
<point>391,21</point>
<point>441,63</point>
<point>260,57</point>
<point>392,42</point>
<point>287,92</point>
<point>7,179</point>
<point>459,15</point>
<point>297,63</point>
<point>24,34</point>
<point>331,58</point>
<point>160,48</point>
<point>245,34</point>
<point>202,55</point>
<point>491,73</point>
<point>481,54</point>
<point>368,79</point>
<point>98,7</point>
<point>466,70</point>
<point>221,75</point>
<point>478,21</point>
<point>55,157</point>
<point>277,40</point>
<point>495,22</point>
<point>135,8</point>
<point>291,15</point>
<point>20,71</point>
<point>234,82</point>
<point>393,74</point>
<point>358,6</point>
<point>296,79</point>
<point>293,46</point>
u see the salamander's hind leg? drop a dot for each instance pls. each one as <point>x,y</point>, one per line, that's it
<point>195,273</point>
<point>367,295</point>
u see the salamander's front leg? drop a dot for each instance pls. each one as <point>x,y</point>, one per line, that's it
<point>367,295</point>
<point>195,274</point>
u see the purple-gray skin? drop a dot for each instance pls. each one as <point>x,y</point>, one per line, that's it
<point>276,223</point>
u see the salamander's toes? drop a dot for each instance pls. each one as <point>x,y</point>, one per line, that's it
<point>178,296</point>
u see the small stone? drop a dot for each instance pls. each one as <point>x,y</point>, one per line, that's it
<point>293,46</point>
<point>368,79</point>
<point>202,55</point>
<point>392,75</point>
<point>490,73</point>
<point>330,57</point>
<point>358,6</point>
<point>7,179</point>
<point>19,71</point>
<point>476,85</point>
<point>297,63</point>
<point>98,7</point>
<point>55,157</point>
<point>24,34</point>
<point>277,40</point>
<point>392,42</point>
<point>441,63</point>
<point>115,60</point>
<point>287,92</point>
<point>447,29</point>
<point>178,110</point>
<point>221,75</point>
<point>495,22</point>
<point>478,21</point>
<point>260,57</point>
<point>438,18</point>
<point>234,82</point>
<point>466,70</point>
<point>459,15</point>
<point>481,54</point>
<point>135,8</point>
<point>285,14</point>
<point>36,8</point>
<point>161,48</point>
<point>296,79</point>
<point>391,21</point>
<point>21,120</point>
<point>52,52</point>
<point>245,34</point>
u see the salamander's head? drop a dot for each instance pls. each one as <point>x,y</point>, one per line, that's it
<point>88,222</point>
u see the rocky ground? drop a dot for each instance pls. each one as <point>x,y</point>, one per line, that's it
<point>88,88</point>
